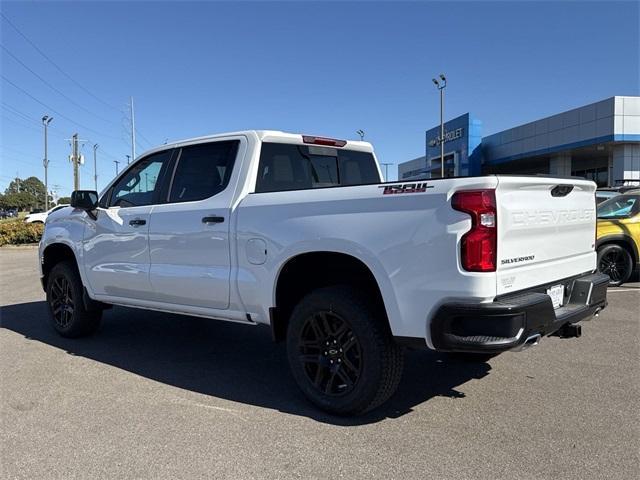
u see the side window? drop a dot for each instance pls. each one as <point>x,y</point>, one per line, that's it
<point>137,187</point>
<point>300,167</point>
<point>203,170</point>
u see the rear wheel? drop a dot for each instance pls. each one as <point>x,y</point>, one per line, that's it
<point>68,314</point>
<point>616,262</point>
<point>341,352</point>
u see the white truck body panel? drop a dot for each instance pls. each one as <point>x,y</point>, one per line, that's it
<point>410,242</point>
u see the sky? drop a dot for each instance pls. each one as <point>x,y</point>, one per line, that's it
<point>325,68</point>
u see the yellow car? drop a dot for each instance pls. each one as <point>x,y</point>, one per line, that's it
<point>618,237</point>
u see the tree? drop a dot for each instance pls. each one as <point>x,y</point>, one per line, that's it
<point>30,193</point>
<point>19,200</point>
<point>64,200</point>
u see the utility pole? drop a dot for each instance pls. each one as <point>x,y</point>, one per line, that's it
<point>133,131</point>
<point>75,160</point>
<point>95,167</point>
<point>386,171</point>
<point>441,85</point>
<point>117,163</point>
<point>46,120</point>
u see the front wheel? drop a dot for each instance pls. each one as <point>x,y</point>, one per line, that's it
<point>341,352</point>
<point>68,314</point>
<point>616,262</point>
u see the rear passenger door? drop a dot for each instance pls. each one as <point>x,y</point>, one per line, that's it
<point>189,232</point>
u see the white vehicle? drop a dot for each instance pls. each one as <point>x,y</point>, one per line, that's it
<point>298,232</point>
<point>42,216</point>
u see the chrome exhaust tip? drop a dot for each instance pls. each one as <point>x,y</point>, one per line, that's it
<point>531,341</point>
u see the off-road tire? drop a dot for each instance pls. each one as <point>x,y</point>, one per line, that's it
<point>380,358</point>
<point>67,312</point>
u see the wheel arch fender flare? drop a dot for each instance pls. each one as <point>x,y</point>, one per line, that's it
<point>355,251</point>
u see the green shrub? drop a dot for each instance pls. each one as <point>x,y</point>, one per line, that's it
<point>17,232</point>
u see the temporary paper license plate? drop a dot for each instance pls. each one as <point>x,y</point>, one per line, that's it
<point>557,295</point>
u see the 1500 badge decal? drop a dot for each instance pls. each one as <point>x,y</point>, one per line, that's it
<point>405,188</point>
<point>506,261</point>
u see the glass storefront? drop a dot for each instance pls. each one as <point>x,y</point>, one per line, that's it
<point>598,175</point>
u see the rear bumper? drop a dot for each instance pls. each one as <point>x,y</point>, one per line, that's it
<point>512,321</point>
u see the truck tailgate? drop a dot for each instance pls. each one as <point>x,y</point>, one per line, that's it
<point>546,230</point>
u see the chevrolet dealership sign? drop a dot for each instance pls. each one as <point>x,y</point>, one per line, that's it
<point>448,136</point>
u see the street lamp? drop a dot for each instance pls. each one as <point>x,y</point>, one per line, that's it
<point>441,85</point>
<point>361,133</point>
<point>46,120</point>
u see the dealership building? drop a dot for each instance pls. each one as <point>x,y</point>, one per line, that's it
<point>599,141</point>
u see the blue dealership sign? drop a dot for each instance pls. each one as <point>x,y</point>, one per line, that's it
<point>462,138</point>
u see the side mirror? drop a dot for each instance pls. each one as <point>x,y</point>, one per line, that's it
<point>86,200</point>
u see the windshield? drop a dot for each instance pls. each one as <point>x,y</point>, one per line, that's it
<point>622,206</point>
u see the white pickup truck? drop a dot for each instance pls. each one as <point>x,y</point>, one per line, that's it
<point>298,232</point>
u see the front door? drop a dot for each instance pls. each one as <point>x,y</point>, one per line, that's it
<point>116,244</point>
<point>189,234</point>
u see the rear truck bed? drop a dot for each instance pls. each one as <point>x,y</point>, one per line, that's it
<point>536,237</point>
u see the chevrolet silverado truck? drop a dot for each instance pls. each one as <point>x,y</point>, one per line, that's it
<point>300,233</point>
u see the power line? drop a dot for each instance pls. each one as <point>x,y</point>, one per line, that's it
<point>36,164</point>
<point>53,110</point>
<point>31,120</point>
<point>54,63</point>
<point>19,152</point>
<point>15,122</point>
<point>43,80</point>
<point>144,138</point>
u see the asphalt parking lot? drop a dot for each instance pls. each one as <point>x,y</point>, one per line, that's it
<point>159,396</point>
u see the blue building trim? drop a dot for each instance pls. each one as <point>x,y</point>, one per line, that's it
<point>566,146</point>
<point>464,137</point>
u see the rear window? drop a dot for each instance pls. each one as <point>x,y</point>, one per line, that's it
<point>300,167</point>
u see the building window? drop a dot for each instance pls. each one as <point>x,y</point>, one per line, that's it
<point>449,167</point>
<point>413,173</point>
<point>598,175</point>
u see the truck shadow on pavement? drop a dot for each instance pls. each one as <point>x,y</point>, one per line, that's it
<point>230,361</point>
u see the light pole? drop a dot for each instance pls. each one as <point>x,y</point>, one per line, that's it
<point>46,120</point>
<point>361,133</point>
<point>441,85</point>
<point>386,171</point>
<point>116,162</point>
<point>95,167</point>
<point>128,159</point>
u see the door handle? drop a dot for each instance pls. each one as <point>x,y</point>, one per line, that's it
<point>137,222</point>
<point>212,219</point>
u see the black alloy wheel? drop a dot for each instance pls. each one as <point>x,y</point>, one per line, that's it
<point>69,315</point>
<point>61,301</point>
<point>331,353</point>
<point>341,351</point>
<point>615,261</point>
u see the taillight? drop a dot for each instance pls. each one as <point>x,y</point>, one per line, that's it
<point>479,246</point>
<point>331,142</point>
